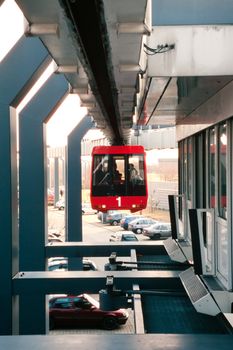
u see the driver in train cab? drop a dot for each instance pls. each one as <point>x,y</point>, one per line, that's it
<point>133,174</point>
<point>98,173</point>
<point>102,174</point>
<point>116,174</point>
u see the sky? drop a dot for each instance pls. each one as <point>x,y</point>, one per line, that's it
<point>69,113</point>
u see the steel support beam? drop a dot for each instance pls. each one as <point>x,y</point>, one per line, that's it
<point>33,172</point>
<point>120,341</point>
<point>71,249</point>
<point>74,180</point>
<point>74,186</point>
<point>44,283</point>
<point>56,179</point>
<point>33,194</point>
<point>18,71</point>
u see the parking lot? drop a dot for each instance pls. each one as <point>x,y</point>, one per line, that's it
<point>96,232</point>
<point>93,229</point>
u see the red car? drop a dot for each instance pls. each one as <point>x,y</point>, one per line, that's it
<point>82,311</point>
<point>50,197</point>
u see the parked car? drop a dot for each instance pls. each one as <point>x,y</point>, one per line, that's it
<point>100,214</point>
<point>54,238</point>
<point>158,230</point>
<point>138,225</point>
<point>50,197</point>
<point>83,310</point>
<point>58,265</point>
<point>60,205</point>
<point>114,218</point>
<point>87,209</point>
<point>127,236</point>
<point>61,264</point>
<point>126,220</point>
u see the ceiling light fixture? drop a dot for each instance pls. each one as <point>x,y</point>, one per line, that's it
<point>42,29</point>
<point>80,90</point>
<point>129,67</point>
<point>133,28</point>
<point>67,69</point>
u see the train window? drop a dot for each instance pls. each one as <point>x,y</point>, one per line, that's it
<point>211,165</point>
<point>101,170</point>
<point>222,163</point>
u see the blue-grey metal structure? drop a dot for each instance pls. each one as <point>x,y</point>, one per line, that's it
<point>118,342</point>
<point>33,193</point>
<point>56,179</point>
<point>18,72</point>
<point>105,72</point>
<point>74,179</point>
<point>33,171</point>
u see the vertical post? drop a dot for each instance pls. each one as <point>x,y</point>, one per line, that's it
<point>56,179</point>
<point>18,71</point>
<point>173,213</point>
<point>33,195</point>
<point>49,173</point>
<point>74,184</point>
<point>74,179</point>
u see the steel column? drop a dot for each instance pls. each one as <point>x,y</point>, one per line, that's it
<point>74,187</point>
<point>18,71</point>
<point>74,180</point>
<point>56,179</point>
<point>33,194</point>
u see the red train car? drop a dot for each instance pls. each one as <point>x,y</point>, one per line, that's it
<point>118,178</point>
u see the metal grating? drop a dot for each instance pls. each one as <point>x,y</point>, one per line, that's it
<point>193,285</point>
<point>159,262</point>
<point>176,315</point>
<point>170,246</point>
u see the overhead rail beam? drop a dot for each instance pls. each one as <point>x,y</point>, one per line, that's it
<point>95,56</point>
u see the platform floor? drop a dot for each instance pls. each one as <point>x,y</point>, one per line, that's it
<point>118,342</point>
<point>176,315</point>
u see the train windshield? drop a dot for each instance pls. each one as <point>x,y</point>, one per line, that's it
<point>118,175</point>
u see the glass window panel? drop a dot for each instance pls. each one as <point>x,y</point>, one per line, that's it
<point>185,181</point>
<point>189,168</point>
<point>222,251</point>
<point>222,200</point>
<point>181,180</point>
<point>100,169</point>
<point>136,175</point>
<point>211,165</point>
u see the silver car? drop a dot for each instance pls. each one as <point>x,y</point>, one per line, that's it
<point>158,230</point>
<point>138,225</point>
